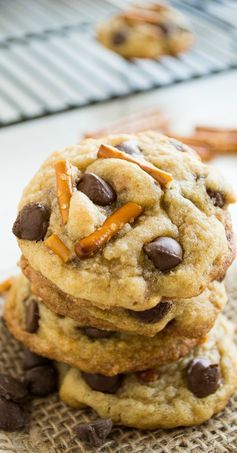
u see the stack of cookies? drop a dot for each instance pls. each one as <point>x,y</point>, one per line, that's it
<point>125,242</point>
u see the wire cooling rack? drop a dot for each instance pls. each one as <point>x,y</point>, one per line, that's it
<point>50,61</point>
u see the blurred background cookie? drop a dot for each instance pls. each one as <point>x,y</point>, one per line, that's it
<point>146,31</point>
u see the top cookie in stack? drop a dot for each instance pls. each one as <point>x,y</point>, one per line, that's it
<point>125,232</point>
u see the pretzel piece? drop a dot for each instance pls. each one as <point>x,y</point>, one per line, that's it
<point>142,15</point>
<point>5,285</point>
<point>108,151</point>
<point>132,124</point>
<point>64,187</point>
<point>55,244</point>
<point>90,245</point>
<point>223,140</point>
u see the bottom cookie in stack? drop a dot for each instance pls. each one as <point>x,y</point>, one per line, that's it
<point>185,380</point>
<point>184,393</point>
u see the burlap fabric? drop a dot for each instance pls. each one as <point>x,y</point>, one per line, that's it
<point>52,426</point>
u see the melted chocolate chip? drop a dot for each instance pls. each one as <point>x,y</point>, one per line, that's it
<point>98,190</point>
<point>11,389</point>
<point>217,198</point>
<point>101,383</point>
<point>95,433</point>
<point>166,28</point>
<point>152,315</point>
<point>12,416</point>
<point>165,253</point>
<point>32,360</point>
<point>119,37</point>
<point>32,222</point>
<point>129,147</point>
<point>203,378</point>
<point>41,380</point>
<point>178,145</point>
<point>32,316</point>
<point>92,332</point>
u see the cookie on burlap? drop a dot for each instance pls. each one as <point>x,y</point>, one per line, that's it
<point>146,31</point>
<point>191,317</point>
<point>185,393</point>
<point>92,350</point>
<point>107,231</point>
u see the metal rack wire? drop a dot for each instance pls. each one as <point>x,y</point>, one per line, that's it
<point>50,61</point>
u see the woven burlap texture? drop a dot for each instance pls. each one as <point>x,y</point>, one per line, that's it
<point>52,425</point>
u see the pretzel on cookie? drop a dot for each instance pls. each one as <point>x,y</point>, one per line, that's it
<point>64,187</point>
<point>108,151</point>
<point>55,244</point>
<point>91,244</point>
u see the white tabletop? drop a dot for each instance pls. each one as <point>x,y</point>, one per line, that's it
<point>212,101</point>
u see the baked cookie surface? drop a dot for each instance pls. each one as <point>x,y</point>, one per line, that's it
<point>185,393</point>
<point>91,350</point>
<point>191,317</point>
<point>147,239</point>
<point>146,32</point>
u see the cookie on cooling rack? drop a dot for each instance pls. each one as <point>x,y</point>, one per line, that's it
<point>146,31</point>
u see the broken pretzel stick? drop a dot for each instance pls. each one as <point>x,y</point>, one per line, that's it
<point>138,122</point>
<point>55,244</point>
<point>5,285</point>
<point>108,151</point>
<point>90,245</point>
<point>222,140</point>
<point>64,187</point>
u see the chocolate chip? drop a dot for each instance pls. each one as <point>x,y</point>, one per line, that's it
<point>164,252</point>
<point>41,380</point>
<point>95,433</point>
<point>32,316</point>
<point>119,37</point>
<point>32,222</point>
<point>101,383</point>
<point>11,389</point>
<point>32,360</point>
<point>203,378</point>
<point>166,28</point>
<point>178,145</point>
<point>92,332</point>
<point>152,315</point>
<point>12,416</point>
<point>98,190</point>
<point>129,147</point>
<point>217,198</point>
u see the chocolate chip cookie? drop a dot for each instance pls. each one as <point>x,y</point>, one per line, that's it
<point>133,219</point>
<point>90,349</point>
<point>148,31</point>
<point>191,317</point>
<point>184,393</point>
